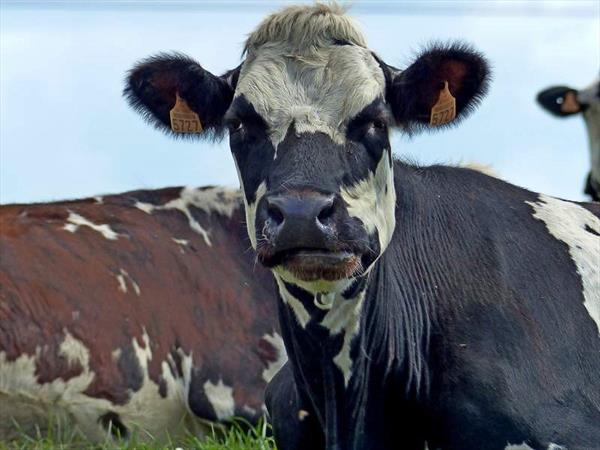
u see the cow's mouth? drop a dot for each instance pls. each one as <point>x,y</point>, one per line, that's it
<point>308,264</point>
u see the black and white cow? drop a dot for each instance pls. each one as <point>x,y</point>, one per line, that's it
<point>563,101</point>
<point>421,307</point>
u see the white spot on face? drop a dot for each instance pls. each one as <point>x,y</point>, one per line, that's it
<point>210,200</point>
<point>251,213</point>
<point>75,221</point>
<point>344,317</point>
<point>122,278</point>
<point>317,88</point>
<point>373,201</point>
<point>298,308</point>
<point>274,366</point>
<point>567,222</point>
<point>220,397</point>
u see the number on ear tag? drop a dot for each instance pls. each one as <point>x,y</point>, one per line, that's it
<point>183,119</point>
<point>444,110</point>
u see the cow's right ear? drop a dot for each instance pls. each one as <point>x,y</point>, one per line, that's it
<point>560,101</point>
<point>155,83</point>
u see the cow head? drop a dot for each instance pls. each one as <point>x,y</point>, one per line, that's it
<point>563,101</point>
<point>309,113</point>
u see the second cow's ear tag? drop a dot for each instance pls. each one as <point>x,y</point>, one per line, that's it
<point>183,118</point>
<point>444,110</point>
<point>570,105</point>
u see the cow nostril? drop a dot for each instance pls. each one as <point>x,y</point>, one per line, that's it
<point>326,212</point>
<point>275,214</point>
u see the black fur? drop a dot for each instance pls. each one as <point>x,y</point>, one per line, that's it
<point>151,85</point>
<point>473,334</point>
<point>413,91</point>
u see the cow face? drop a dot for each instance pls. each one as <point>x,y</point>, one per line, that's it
<point>309,113</point>
<point>563,101</point>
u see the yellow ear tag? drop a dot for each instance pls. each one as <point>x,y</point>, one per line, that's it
<point>183,119</point>
<point>444,110</point>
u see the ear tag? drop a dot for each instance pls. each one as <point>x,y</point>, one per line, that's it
<point>570,105</point>
<point>183,119</point>
<point>444,110</point>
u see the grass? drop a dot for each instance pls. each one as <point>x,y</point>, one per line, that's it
<point>240,436</point>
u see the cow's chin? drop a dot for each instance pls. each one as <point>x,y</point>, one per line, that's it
<point>316,270</point>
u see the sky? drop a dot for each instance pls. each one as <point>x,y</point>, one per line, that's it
<point>66,132</point>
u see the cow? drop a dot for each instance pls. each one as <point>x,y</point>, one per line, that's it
<point>420,307</point>
<point>139,313</point>
<point>563,101</point>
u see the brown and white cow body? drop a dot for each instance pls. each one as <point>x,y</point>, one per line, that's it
<point>135,311</point>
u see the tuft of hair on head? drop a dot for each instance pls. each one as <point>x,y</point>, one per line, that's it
<point>305,27</point>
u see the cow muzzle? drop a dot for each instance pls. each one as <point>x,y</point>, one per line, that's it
<point>300,233</point>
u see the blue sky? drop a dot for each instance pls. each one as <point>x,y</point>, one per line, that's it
<point>67,133</point>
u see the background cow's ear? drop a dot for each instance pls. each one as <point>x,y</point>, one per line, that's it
<point>153,84</point>
<point>560,101</point>
<point>415,91</point>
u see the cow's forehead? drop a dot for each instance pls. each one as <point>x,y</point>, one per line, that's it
<point>320,90</point>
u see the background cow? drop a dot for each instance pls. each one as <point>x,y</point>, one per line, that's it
<point>477,328</point>
<point>140,311</point>
<point>563,101</point>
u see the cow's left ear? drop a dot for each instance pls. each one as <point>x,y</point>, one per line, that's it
<point>443,85</point>
<point>180,97</point>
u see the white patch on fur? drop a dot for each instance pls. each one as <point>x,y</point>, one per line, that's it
<point>373,201</point>
<point>182,243</point>
<point>298,308</point>
<point>556,447</point>
<point>122,278</point>
<point>99,200</point>
<point>344,317</point>
<point>31,403</point>
<point>220,397</point>
<point>566,221</point>
<point>274,366</point>
<point>251,213</point>
<point>486,169</point>
<point>76,220</point>
<point>522,446</point>
<point>217,200</point>
<point>317,286</point>
<point>294,73</point>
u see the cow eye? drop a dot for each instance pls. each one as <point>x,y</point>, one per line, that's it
<point>234,125</point>
<point>379,124</point>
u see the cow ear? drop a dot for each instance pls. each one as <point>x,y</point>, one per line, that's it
<point>156,84</point>
<point>443,85</point>
<point>560,101</point>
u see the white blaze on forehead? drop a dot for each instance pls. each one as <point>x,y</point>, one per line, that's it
<point>373,201</point>
<point>217,200</point>
<point>344,317</point>
<point>251,213</point>
<point>220,397</point>
<point>76,220</point>
<point>580,230</point>
<point>274,366</point>
<point>318,89</point>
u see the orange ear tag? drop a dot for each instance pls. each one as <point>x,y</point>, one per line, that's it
<point>444,110</point>
<point>183,119</point>
<point>570,104</point>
